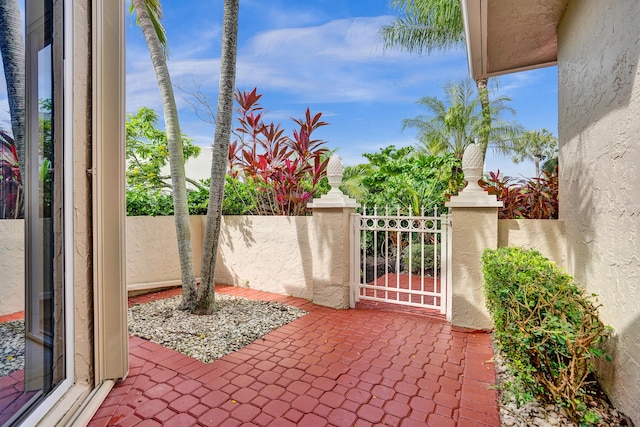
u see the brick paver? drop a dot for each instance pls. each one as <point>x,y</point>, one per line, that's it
<point>362,367</point>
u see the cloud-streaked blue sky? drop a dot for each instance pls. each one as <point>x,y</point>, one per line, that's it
<point>322,54</point>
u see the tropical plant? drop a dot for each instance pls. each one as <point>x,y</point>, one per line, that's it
<point>286,170</point>
<point>434,25</point>
<point>12,50</point>
<point>410,180</point>
<point>534,198</point>
<point>147,153</point>
<point>206,297</point>
<point>535,145</point>
<point>11,189</point>
<point>352,178</point>
<point>454,123</point>
<point>149,15</point>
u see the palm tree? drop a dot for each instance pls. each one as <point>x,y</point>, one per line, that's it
<point>206,296</point>
<point>12,50</point>
<point>453,124</point>
<point>432,25</point>
<point>537,146</point>
<point>149,14</point>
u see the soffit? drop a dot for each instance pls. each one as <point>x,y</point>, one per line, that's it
<point>504,36</point>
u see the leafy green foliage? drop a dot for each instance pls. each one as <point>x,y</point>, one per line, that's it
<point>534,198</point>
<point>239,199</point>
<point>547,328</point>
<point>147,151</point>
<point>287,171</point>
<point>409,179</point>
<point>422,258</point>
<point>146,201</point>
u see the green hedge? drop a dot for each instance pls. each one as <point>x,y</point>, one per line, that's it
<point>548,330</point>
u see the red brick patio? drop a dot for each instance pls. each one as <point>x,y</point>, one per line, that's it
<point>363,367</point>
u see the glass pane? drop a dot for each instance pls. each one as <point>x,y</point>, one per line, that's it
<point>31,285</point>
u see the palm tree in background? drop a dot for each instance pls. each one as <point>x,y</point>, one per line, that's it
<point>206,296</point>
<point>454,123</point>
<point>537,146</point>
<point>12,49</point>
<point>149,15</point>
<point>433,25</point>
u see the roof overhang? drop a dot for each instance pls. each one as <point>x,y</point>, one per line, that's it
<point>505,36</point>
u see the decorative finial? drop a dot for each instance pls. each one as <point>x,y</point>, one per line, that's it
<point>472,164</point>
<point>334,173</point>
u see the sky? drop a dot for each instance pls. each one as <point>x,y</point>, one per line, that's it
<point>323,54</point>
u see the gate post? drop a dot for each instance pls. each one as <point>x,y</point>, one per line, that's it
<point>475,228</point>
<point>330,247</point>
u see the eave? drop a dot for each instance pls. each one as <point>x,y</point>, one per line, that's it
<point>506,36</point>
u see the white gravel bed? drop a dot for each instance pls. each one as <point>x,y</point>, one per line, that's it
<point>238,322</point>
<point>11,347</point>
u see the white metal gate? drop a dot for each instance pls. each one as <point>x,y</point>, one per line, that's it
<point>401,259</point>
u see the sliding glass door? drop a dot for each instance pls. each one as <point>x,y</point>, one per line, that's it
<point>33,205</point>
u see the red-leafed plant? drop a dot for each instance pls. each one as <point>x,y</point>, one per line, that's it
<point>534,198</point>
<point>11,190</point>
<point>286,170</point>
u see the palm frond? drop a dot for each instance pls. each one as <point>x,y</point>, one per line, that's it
<point>154,9</point>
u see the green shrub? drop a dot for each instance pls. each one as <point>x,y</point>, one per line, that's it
<point>146,201</point>
<point>548,330</point>
<point>418,256</point>
<point>239,199</point>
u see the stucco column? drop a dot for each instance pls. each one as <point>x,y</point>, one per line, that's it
<point>474,220</point>
<point>330,241</point>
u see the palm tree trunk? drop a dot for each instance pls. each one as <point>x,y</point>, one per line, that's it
<point>12,51</point>
<point>176,155</point>
<point>206,296</point>
<point>485,129</point>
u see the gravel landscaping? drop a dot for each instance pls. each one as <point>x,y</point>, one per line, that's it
<point>11,347</point>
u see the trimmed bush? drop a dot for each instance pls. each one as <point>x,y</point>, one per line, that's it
<point>548,330</point>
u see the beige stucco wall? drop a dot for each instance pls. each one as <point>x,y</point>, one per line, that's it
<point>12,266</point>
<point>330,254</point>
<point>543,235</point>
<point>474,230</point>
<point>152,251</point>
<point>268,253</point>
<point>599,135</point>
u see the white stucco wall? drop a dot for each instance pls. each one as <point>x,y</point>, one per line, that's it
<point>12,266</point>
<point>543,235</point>
<point>599,135</point>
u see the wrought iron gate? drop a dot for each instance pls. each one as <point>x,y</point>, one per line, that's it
<point>401,259</point>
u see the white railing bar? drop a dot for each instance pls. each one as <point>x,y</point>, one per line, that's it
<point>403,291</point>
<point>413,304</point>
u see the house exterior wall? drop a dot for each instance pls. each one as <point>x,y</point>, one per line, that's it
<point>543,235</point>
<point>599,136</point>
